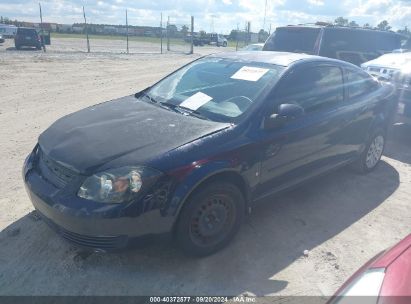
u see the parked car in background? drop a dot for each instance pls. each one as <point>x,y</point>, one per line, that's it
<point>395,68</point>
<point>218,40</point>
<point>200,40</point>
<point>213,39</point>
<point>1,38</point>
<point>189,156</point>
<point>253,47</point>
<point>7,30</point>
<point>386,278</point>
<point>26,36</point>
<point>355,45</point>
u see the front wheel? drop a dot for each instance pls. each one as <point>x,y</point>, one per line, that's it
<point>372,154</point>
<point>210,219</point>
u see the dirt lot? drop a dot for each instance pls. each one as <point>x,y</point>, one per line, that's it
<point>343,219</point>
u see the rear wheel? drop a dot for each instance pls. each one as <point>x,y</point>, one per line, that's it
<point>210,219</point>
<point>18,47</point>
<point>372,154</point>
<point>224,44</point>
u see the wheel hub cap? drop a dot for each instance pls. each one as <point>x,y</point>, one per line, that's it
<point>375,152</point>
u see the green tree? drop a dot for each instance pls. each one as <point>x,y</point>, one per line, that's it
<point>367,25</point>
<point>172,30</point>
<point>353,24</point>
<point>184,30</point>
<point>341,21</point>
<point>405,31</point>
<point>262,35</point>
<point>384,26</point>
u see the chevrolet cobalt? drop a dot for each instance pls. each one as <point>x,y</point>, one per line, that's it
<point>188,157</point>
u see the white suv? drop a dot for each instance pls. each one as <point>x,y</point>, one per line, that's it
<point>396,69</point>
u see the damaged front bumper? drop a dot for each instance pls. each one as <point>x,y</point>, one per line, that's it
<point>88,224</point>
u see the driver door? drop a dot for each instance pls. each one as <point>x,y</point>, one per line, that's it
<point>306,145</point>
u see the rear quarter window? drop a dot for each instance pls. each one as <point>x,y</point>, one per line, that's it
<point>28,32</point>
<point>359,83</point>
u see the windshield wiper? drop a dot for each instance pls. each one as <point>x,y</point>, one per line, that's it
<point>162,104</point>
<point>176,108</point>
<point>185,110</point>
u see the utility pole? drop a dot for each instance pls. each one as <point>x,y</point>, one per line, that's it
<point>86,28</point>
<point>168,33</point>
<point>42,32</point>
<point>192,35</point>
<point>161,33</point>
<point>248,32</point>
<point>127,29</point>
<point>265,14</point>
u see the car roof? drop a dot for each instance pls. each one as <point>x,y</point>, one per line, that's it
<point>341,27</point>
<point>284,59</point>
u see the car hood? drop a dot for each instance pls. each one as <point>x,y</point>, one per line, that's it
<point>393,60</point>
<point>89,138</point>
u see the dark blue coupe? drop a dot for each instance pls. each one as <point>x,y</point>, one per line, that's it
<point>189,156</point>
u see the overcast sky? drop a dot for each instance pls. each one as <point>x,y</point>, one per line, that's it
<point>222,15</point>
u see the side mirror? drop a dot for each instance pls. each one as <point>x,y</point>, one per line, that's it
<point>286,112</point>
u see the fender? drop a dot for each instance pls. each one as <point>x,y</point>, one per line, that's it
<point>197,173</point>
<point>380,121</point>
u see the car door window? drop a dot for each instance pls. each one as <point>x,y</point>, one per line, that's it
<point>314,88</point>
<point>359,83</point>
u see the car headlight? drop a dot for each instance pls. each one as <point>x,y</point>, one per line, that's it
<point>367,286</point>
<point>118,185</point>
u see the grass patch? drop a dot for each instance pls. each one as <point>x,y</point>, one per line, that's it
<point>118,37</point>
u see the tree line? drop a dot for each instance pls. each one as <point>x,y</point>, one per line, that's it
<point>383,25</point>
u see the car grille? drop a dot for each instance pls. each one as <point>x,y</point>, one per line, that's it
<point>54,172</point>
<point>95,242</point>
<point>380,71</point>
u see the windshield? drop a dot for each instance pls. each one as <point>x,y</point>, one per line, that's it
<point>293,39</point>
<point>28,32</point>
<point>217,89</point>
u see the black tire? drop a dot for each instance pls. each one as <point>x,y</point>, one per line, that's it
<point>362,165</point>
<point>224,44</point>
<point>38,47</point>
<point>18,47</point>
<point>210,219</point>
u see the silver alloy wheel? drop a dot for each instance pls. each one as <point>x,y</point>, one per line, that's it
<point>374,152</point>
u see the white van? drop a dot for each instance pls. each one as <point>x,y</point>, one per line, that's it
<point>8,31</point>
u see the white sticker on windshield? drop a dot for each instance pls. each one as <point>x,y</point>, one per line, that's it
<point>196,101</point>
<point>249,73</point>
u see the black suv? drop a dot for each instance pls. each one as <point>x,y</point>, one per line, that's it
<point>355,45</point>
<point>27,37</point>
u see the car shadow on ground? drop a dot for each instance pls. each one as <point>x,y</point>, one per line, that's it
<point>34,260</point>
<point>22,49</point>
<point>399,143</point>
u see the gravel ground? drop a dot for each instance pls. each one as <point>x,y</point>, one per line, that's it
<point>342,219</point>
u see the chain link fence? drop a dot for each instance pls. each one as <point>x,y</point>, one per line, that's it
<point>170,36</point>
